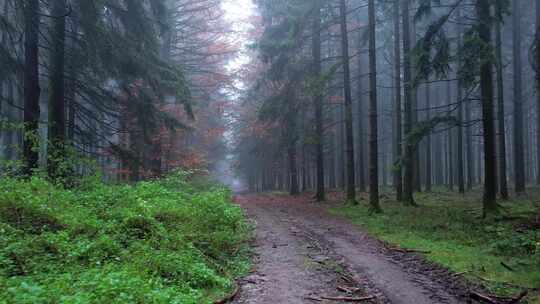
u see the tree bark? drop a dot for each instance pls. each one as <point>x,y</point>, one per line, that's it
<point>291,153</point>
<point>398,173</point>
<point>486,91</point>
<point>450,138</point>
<point>460,165</point>
<point>373,130</point>
<point>292,139</point>
<point>417,182</point>
<point>350,185</point>
<point>407,81</point>
<point>519,154</point>
<point>360,151</point>
<point>57,120</point>
<point>428,140</point>
<point>469,150</point>
<point>537,42</point>
<point>503,186</point>
<point>32,89</point>
<point>318,101</point>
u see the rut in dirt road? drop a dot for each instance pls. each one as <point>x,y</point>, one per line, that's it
<point>304,255</point>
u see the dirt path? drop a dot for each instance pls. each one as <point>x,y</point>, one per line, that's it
<point>304,255</point>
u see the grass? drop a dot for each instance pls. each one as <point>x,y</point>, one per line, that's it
<point>166,241</point>
<point>450,227</point>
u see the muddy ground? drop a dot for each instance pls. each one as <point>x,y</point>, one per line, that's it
<point>305,255</point>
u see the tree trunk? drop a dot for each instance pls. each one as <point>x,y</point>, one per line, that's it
<point>537,42</point>
<point>398,177</point>
<point>318,100</point>
<point>360,129</point>
<point>293,173</point>
<point>486,91</point>
<point>409,147</point>
<point>428,139</point>
<point>57,120</point>
<point>292,139</point>
<point>351,193</point>
<point>71,83</point>
<point>373,130</point>
<point>450,138</point>
<point>503,187</point>
<point>303,151</point>
<point>31,87</point>
<point>460,165</point>
<point>519,154</point>
<point>469,150</point>
<point>10,142</point>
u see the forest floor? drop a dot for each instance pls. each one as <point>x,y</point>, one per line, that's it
<point>305,254</point>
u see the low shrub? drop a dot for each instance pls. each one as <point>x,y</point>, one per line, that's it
<point>163,241</point>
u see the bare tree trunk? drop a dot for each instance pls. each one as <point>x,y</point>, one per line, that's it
<point>373,128</point>
<point>486,89</point>
<point>31,86</point>
<point>318,101</point>
<point>292,139</point>
<point>428,139</point>
<point>360,129</point>
<point>414,105</point>
<point>293,173</point>
<point>460,165</point>
<point>450,142</point>
<point>469,150</point>
<point>351,192</point>
<point>409,147</point>
<point>503,186</point>
<point>57,120</point>
<point>519,154</point>
<point>537,42</point>
<point>303,152</point>
<point>398,174</point>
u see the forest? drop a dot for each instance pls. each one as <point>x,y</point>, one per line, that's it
<point>269,151</point>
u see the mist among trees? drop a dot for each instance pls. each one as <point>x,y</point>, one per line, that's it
<point>137,137</point>
<point>415,95</point>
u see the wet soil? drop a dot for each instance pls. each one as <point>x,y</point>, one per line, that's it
<point>305,255</point>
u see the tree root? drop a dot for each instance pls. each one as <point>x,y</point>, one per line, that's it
<point>230,296</point>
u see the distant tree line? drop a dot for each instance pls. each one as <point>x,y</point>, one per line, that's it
<point>405,94</point>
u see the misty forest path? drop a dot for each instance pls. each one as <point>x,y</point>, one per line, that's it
<point>305,255</point>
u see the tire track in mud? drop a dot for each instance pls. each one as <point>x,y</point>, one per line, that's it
<point>304,254</point>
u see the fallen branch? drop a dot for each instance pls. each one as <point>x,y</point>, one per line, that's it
<point>506,266</point>
<point>313,299</point>
<point>230,296</point>
<point>404,250</point>
<point>482,298</point>
<point>348,290</point>
<point>352,279</point>
<point>348,299</point>
<point>348,279</point>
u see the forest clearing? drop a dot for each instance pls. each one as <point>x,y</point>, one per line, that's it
<point>269,151</point>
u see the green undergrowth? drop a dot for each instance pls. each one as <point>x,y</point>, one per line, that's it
<point>450,227</point>
<point>167,241</point>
